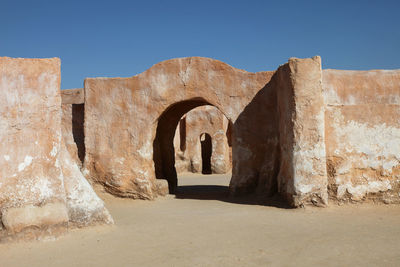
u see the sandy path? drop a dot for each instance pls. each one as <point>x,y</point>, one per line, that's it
<point>210,232</point>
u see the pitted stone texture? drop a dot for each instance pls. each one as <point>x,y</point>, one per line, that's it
<point>36,170</point>
<point>206,119</point>
<point>363,134</point>
<point>30,134</point>
<point>122,115</point>
<point>302,132</point>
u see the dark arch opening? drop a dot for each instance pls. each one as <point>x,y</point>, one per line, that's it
<point>163,147</point>
<point>206,152</point>
<point>78,117</point>
<point>182,134</point>
<point>229,133</point>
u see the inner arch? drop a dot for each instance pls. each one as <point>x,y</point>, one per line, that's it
<point>163,147</point>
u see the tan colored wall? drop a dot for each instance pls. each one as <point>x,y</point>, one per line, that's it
<point>363,134</point>
<point>122,116</point>
<point>41,190</point>
<point>302,175</point>
<point>206,119</point>
<point>30,173</point>
<point>278,127</point>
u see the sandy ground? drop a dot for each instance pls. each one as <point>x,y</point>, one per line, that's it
<point>201,227</point>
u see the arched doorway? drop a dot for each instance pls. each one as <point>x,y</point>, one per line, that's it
<point>163,146</point>
<point>206,152</point>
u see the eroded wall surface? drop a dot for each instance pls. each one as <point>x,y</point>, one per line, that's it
<point>302,175</point>
<point>363,134</point>
<point>34,198</point>
<point>205,119</point>
<point>31,186</point>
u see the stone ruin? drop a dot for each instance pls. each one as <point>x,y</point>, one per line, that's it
<point>42,190</point>
<point>307,134</point>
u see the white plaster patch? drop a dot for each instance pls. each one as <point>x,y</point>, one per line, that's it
<point>374,147</point>
<point>145,151</point>
<point>7,157</point>
<point>365,148</point>
<point>359,191</point>
<point>389,164</point>
<point>344,167</point>
<point>85,172</point>
<point>53,152</point>
<point>26,163</point>
<point>43,187</point>
<point>330,95</point>
<point>160,83</point>
<point>246,84</point>
<point>306,166</point>
<point>143,183</point>
<point>304,188</point>
<point>185,74</point>
<point>310,161</point>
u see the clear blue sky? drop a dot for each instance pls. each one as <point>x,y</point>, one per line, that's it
<point>124,38</point>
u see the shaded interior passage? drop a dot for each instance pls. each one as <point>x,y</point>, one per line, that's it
<point>78,116</point>
<point>163,147</point>
<point>229,133</point>
<point>206,152</point>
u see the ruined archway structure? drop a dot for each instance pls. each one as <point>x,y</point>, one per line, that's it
<point>122,116</point>
<point>286,127</point>
<point>278,125</point>
<point>304,133</point>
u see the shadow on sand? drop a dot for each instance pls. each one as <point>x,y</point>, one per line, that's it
<point>221,193</point>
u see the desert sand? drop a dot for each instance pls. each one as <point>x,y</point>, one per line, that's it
<point>201,226</point>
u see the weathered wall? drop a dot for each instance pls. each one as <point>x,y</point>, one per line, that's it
<point>72,123</point>
<point>122,114</point>
<point>286,124</point>
<point>206,119</point>
<point>34,198</point>
<point>302,175</point>
<point>31,186</point>
<point>363,134</point>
